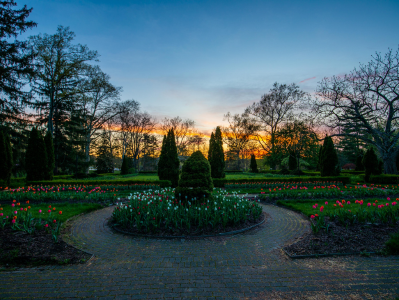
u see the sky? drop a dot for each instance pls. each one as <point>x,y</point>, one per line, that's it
<point>202,59</point>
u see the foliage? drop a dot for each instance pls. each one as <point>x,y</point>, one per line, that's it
<point>253,166</point>
<point>292,163</point>
<point>36,157</point>
<point>48,140</point>
<point>196,181</point>
<point>329,159</point>
<point>370,163</point>
<point>359,162</point>
<point>15,60</point>
<point>124,167</point>
<point>216,154</point>
<point>104,157</point>
<point>392,245</point>
<point>163,213</point>
<point>168,165</point>
<point>6,159</point>
<point>387,179</point>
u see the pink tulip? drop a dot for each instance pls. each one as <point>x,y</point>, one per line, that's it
<point>13,205</point>
<point>46,225</point>
<point>326,203</point>
<point>49,211</point>
<point>389,199</point>
<point>40,211</point>
<point>387,204</point>
<point>15,212</point>
<point>312,216</point>
<point>21,208</point>
<point>13,221</point>
<point>1,214</point>
<point>368,204</point>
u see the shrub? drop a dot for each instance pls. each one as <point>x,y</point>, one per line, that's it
<point>48,141</point>
<point>253,165</point>
<point>384,179</point>
<point>329,164</point>
<point>297,172</point>
<point>36,157</point>
<point>392,245</point>
<point>370,163</point>
<point>195,181</point>
<point>284,172</point>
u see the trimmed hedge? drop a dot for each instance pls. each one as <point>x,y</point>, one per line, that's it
<point>149,172</point>
<point>222,182</point>
<point>384,179</point>
<point>162,183</point>
<point>351,172</point>
<point>234,171</point>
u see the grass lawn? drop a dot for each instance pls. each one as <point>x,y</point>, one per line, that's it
<point>68,209</point>
<point>306,206</point>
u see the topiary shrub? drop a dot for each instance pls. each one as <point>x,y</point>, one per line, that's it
<point>329,164</point>
<point>253,166</point>
<point>370,163</point>
<point>292,163</point>
<point>195,181</point>
<point>124,167</point>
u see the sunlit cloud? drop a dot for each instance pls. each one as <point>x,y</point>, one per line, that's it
<point>307,79</point>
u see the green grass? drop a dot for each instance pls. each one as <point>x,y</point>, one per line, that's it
<point>306,206</point>
<point>68,209</point>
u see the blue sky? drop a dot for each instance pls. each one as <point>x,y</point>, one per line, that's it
<point>201,59</point>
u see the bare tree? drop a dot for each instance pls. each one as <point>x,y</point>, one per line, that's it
<point>238,133</point>
<point>183,129</point>
<point>367,100</point>
<point>99,104</point>
<point>273,110</point>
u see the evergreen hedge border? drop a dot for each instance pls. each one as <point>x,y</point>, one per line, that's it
<point>384,179</point>
<point>161,183</point>
<point>221,182</point>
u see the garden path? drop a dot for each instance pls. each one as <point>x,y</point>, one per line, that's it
<point>245,266</point>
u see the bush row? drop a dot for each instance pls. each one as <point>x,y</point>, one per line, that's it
<point>161,183</point>
<point>222,182</point>
<point>384,179</point>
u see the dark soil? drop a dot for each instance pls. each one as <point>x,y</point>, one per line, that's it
<point>195,232</point>
<point>18,248</point>
<point>340,239</point>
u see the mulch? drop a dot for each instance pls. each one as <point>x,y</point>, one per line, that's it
<point>18,248</point>
<point>355,238</point>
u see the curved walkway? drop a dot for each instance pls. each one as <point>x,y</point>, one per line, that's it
<point>244,266</point>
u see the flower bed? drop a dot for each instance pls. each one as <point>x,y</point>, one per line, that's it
<point>344,226</point>
<point>30,234</point>
<point>159,213</point>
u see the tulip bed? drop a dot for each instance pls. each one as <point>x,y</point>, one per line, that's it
<point>38,227</point>
<point>158,212</point>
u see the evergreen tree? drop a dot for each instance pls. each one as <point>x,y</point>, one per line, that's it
<point>3,161</point>
<point>48,140</point>
<point>124,167</point>
<point>253,165</point>
<point>9,158</point>
<point>104,157</point>
<point>168,165</point>
<point>371,164</point>
<point>359,162</point>
<point>292,163</point>
<point>196,181</point>
<point>319,159</point>
<point>36,157</point>
<point>216,158</point>
<point>329,159</point>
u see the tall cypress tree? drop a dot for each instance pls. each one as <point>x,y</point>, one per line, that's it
<point>370,163</point>
<point>36,157</point>
<point>211,147</point>
<point>216,160</point>
<point>124,167</point>
<point>168,165</point>
<point>48,140</point>
<point>253,165</point>
<point>329,159</point>
<point>292,163</point>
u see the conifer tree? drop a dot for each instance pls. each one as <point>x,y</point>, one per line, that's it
<point>168,165</point>
<point>216,160</point>
<point>371,164</point>
<point>253,165</point>
<point>124,167</point>
<point>359,162</point>
<point>9,158</point>
<point>292,163</point>
<point>329,159</point>
<point>319,159</point>
<point>104,161</point>
<point>48,140</point>
<point>36,157</point>
<point>211,147</point>
<point>3,161</point>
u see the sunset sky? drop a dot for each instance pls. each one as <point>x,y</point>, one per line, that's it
<point>201,59</point>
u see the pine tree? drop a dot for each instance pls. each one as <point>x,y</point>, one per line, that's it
<point>124,167</point>
<point>253,165</point>
<point>329,159</point>
<point>216,160</point>
<point>3,161</point>
<point>36,157</point>
<point>359,163</point>
<point>370,163</point>
<point>292,163</point>
<point>48,140</point>
<point>168,165</point>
